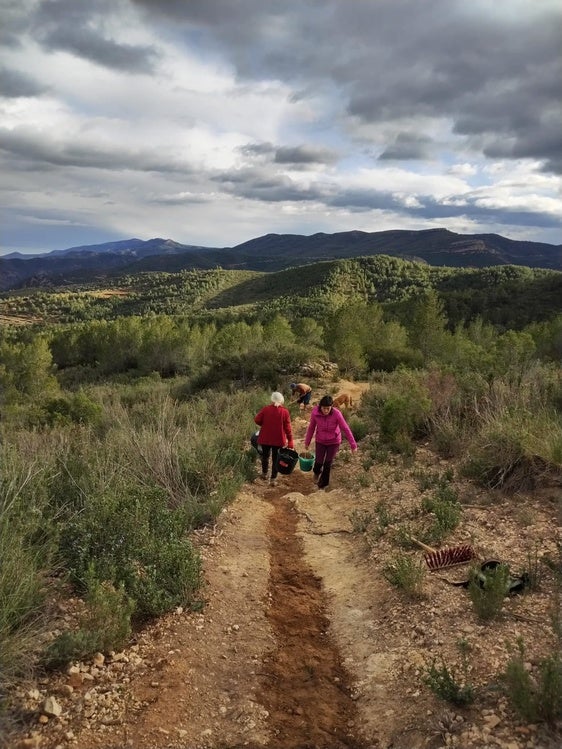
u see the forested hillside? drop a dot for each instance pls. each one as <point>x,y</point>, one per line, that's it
<point>508,296</point>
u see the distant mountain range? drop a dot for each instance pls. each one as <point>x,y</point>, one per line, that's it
<point>271,252</point>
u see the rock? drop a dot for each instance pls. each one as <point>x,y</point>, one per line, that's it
<point>75,679</point>
<point>492,721</point>
<point>51,707</point>
<point>32,742</point>
<point>98,659</point>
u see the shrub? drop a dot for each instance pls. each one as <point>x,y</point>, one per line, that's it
<point>533,569</point>
<point>444,506</point>
<point>448,434</point>
<point>428,479</point>
<point>487,590</point>
<point>360,520</point>
<point>389,359</point>
<point>105,625</point>
<point>76,408</point>
<point>404,413</point>
<point>446,682</point>
<point>359,427</point>
<point>537,697</point>
<point>129,536</point>
<point>381,519</point>
<point>405,573</point>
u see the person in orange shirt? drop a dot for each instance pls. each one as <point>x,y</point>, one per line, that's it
<point>275,432</point>
<point>302,393</point>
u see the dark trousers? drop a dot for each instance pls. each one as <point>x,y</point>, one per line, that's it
<point>324,455</point>
<point>266,450</point>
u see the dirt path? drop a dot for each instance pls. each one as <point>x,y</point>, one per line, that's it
<point>301,643</point>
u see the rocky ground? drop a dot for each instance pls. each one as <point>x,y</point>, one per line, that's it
<point>301,642</point>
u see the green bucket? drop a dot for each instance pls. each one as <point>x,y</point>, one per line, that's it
<point>306,461</point>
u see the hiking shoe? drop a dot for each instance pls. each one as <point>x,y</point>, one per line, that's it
<point>272,482</point>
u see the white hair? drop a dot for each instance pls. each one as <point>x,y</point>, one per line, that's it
<point>277,398</point>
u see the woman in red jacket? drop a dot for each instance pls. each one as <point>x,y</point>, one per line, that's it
<point>275,432</point>
<point>328,423</point>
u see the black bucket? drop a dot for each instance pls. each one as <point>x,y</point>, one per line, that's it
<point>254,441</point>
<point>287,460</point>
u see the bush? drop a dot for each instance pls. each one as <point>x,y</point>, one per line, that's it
<point>389,359</point>
<point>77,408</point>
<point>446,683</point>
<point>487,590</point>
<point>405,573</point>
<point>105,626</point>
<point>129,536</point>
<point>537,697</point>
<point>401,409</point>
<point>446,510</point>
<point>359,427</point>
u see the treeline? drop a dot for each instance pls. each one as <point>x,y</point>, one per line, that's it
<point>362,337</point>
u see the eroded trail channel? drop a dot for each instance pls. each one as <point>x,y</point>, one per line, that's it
<point>305,688</point>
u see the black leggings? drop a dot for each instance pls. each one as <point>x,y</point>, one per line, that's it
<point>266,449</point>
<point>325,454</point>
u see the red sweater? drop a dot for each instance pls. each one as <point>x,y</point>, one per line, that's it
<point>275,426</point>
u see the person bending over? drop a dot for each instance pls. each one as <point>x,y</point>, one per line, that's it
<point>302,393</point>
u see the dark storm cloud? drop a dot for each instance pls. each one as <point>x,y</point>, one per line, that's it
<point>257,149</point>
<point>76,27</point>
<point>536,144</point>
<point>493,71</point>
<point>13,22</point>
<point>14,84</point>
<point>33,149</point>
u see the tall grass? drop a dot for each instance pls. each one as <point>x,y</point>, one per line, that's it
<point>26,561</point>
<point>509,429</point>
<point>516,447</point>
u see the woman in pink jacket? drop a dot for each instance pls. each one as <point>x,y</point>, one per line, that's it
<point>328,423</point>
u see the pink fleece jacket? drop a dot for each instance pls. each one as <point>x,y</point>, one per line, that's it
<point>328,428</point>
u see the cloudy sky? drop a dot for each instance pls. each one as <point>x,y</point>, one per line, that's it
<point>211,122</point>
